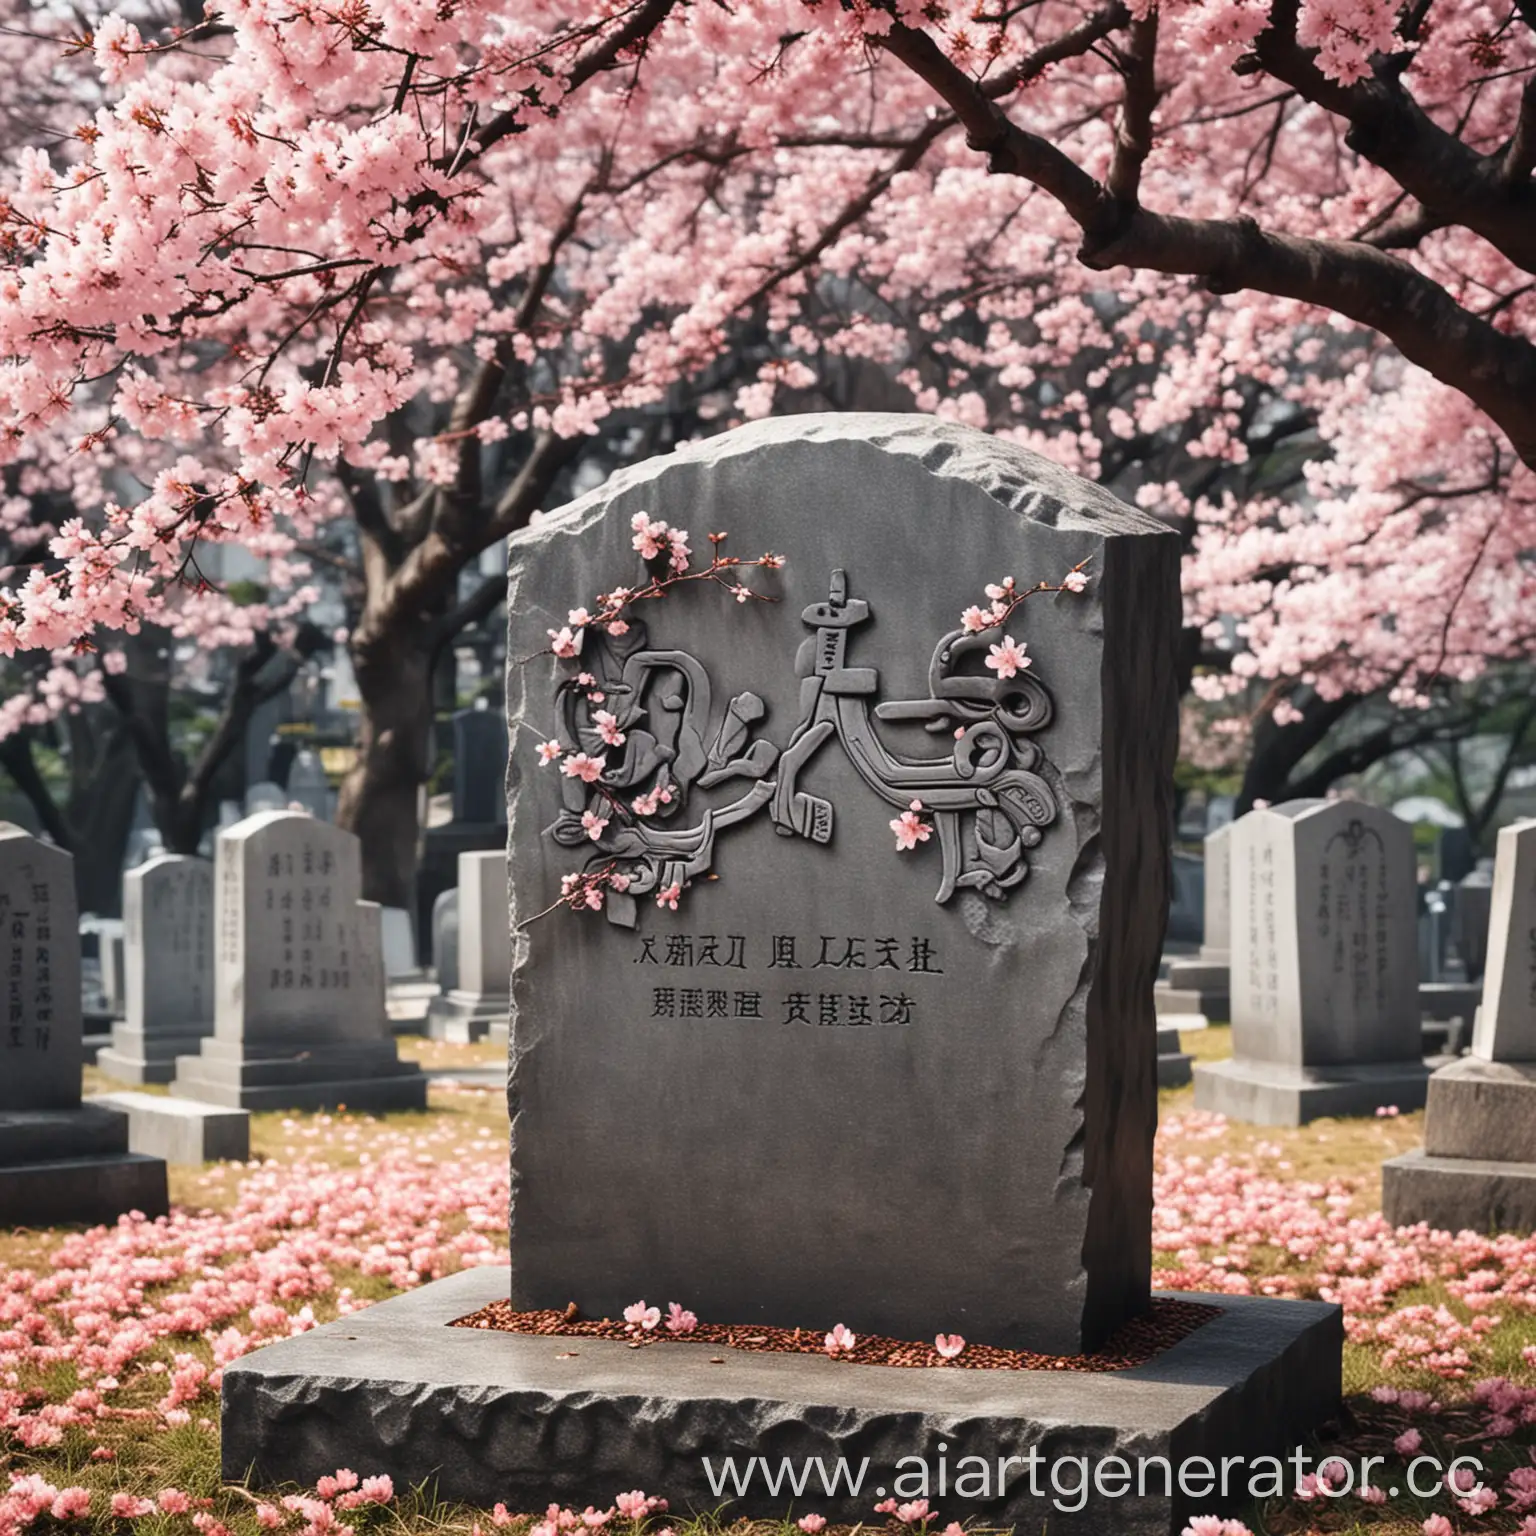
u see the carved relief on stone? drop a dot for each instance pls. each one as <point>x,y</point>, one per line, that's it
<point>663,741</point>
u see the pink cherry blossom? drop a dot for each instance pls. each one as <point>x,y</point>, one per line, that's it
<point>948,1345</point>
<point>812,1525</point>
<point>910,828</point>
<point>608,728</point>
<point>841,1341</point>
<point>679,1320</point>
<point>565,642</point>
<point>593,824</point>
<point>641,1317</point>
<point>669,896</point>
<point>549,751</point>
<point>580,765</point>
<point>1008,659</point>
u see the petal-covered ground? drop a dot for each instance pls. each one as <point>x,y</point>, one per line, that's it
<point>112,1340</point>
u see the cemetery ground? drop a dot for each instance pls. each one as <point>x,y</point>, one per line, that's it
<point>111,1340</point>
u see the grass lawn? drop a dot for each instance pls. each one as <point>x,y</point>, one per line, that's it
<point>111,1340</point>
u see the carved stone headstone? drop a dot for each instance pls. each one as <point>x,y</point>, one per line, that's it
<point>484,961</point>
<point>838,1044</point>
<point>299,1016</point>
<point>1325,1012</point>
<point>60,1161</point>
<point>265,796</point>
<point>1478,1166</point>
<point>479,766</point>
<point>1471,920</point>
<point>168,1008</point>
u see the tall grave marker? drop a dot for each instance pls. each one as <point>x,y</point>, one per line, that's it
<point>1478,1165</point>
<point>836,1081</point>
<point>168,961</point>
<point>299,1016</point>
<point>1325,1011</point>
<point>60,1160</point>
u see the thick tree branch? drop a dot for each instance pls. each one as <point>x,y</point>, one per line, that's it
<point>17,760</point>
<point>1133,126</point>
<point>1496,371</point>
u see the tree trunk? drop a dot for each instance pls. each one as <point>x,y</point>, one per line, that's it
<point>101,815</point>
<point>379,797</point>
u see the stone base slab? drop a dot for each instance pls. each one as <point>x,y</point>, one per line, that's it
<point>1484,1110</point>
<point>1184,1023</point>
<point>493,1417</point>
<point>1455,1194</point>
<point>181,1131</point>
<point>1446,1000</point>
<point>82,1190</point>
<point>136,1057</point>
<point>464,1017</point>
<point>1175,1069</point>
<point>1200,976</point>
<point>1265,1093</point>
<point>46,1135</point>
<point>1178,1000</point>
<point>367,1075</point>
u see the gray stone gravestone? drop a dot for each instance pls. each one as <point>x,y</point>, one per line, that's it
<point>879,992</point>
<point>1203,985</point>
<point>1477,1168</point>
<point>308,785</point>
<point>113,967</point>
<point>168,1009</point>
<point>484,962</point>
<point>299,1017</point>
<point>1471,918</point>
<point>60,1160</point>
<point>904,1090</point>
<point>479,765</point>
<point>445,939</point>
<point>1325,1011</point>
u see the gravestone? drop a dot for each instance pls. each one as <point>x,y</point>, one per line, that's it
<point>878,992</point>
<point>168,1007</point>
<point>1203,985</point>
<point>60,1160</point>
<point>299,1017</point>
<point>484,959</point>
<point>308,785</point>
<point>265,796</point>
<point>479,765</point>
<point>1477,1168</point>
<point>1471,918</point>
<point>838,1081</point>
<point>445,939</point>
<point>1325,1010</point>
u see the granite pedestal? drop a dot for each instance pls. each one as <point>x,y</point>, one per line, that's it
<point>527,1420</point>
<point>1477,1169</point>
<point>1173,1062</point>
<point>1270,1093</point>
<point>66,1166</point>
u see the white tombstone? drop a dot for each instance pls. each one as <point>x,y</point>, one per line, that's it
<point>481,998</point>
<point>1477,1168</point>
<point>299,1017</point>
<point>60,1160</point>
<point>265,795</point>
<point>1506,1024</point>
<point>1325,1014</point>
<point>168,988</point>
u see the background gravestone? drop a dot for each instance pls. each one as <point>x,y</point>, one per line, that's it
<point>445,939</point>
<point>1202,986</point>
<point>60,1161</point>
<point>479,765</point>
<point>1472,918</point>
<point>299,1017</point>
<point>484,960</point>
<point>1477,1169</point>
<point>839,1046</point>
<point>308,784</point>
<point>168,964</point>
<point>1325,1009</point>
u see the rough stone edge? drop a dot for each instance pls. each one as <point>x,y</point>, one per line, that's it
<point>1455,1194</point>
<point>1254,1381</point>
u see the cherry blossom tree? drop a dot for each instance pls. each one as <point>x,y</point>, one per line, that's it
<point>401,272</point>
